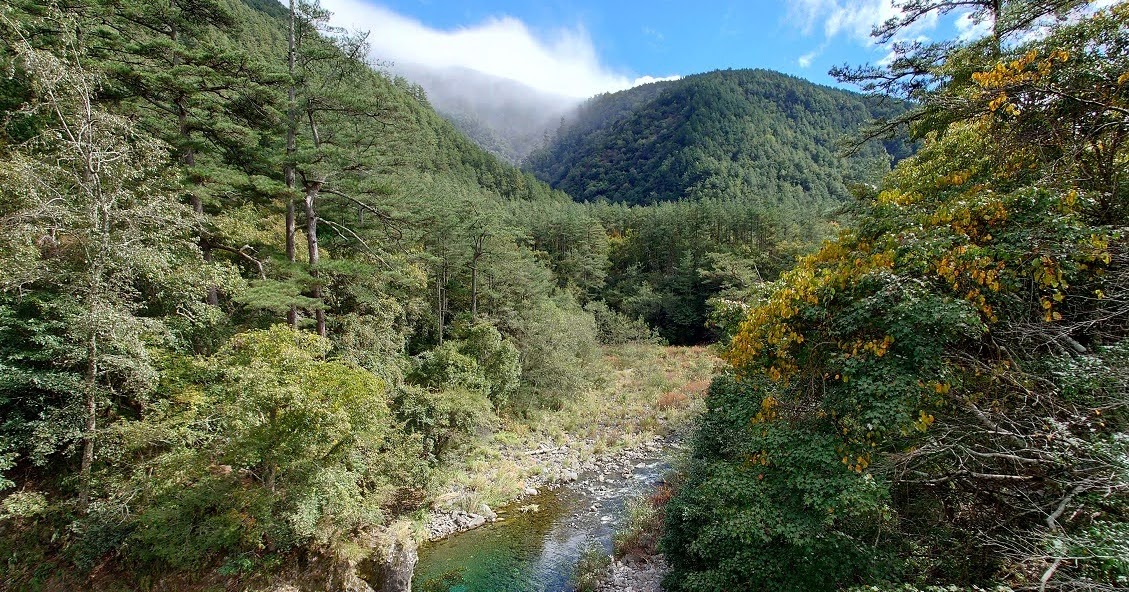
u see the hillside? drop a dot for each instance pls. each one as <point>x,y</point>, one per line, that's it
<point>723,134</point>
<point>268,317</point>
<point>505,117</point>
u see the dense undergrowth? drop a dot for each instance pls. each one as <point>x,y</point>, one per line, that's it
<point>939,397</point>
<point>259,302</point>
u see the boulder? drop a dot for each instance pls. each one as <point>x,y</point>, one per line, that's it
<point>399,564</point>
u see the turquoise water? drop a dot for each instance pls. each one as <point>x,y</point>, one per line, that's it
<point>531,551</point>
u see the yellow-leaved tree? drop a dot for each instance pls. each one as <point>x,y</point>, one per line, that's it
<point>939,396</point>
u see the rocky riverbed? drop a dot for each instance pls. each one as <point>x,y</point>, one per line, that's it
<point>644,575</point>
<point>534,542</point>
<point>559,466</point>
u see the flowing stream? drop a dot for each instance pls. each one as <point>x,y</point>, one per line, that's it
<point>535,545</point>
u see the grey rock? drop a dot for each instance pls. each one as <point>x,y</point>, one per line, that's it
<point>469,521</point>
<point>399,564</point>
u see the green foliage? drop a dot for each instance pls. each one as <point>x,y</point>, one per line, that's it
<point>496,356</point>
<point>559,354</point>
<point>477,359</point>
<point>942,383</point>
<point>445,366</point>
<point>722,135</point>
<point>441,417</point>
<point>669,260</point>
<point>574,241</point>
<point>590,568</point>
<point>639,532</point>
<point>765,505</point>
<point>616,328</point>
<point>272,447</point>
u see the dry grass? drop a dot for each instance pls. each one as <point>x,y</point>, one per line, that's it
<point>672,400</point>
<point>650,390</point>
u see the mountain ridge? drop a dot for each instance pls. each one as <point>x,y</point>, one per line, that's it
<point>719,134</point>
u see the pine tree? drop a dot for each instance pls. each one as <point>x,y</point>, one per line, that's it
<point>211,101</point>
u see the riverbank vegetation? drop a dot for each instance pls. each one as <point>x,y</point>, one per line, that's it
<point>939,396</point>
<point>258,302</point>
<point>648,390</point>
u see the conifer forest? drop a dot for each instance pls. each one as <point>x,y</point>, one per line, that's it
<point>270,317</point>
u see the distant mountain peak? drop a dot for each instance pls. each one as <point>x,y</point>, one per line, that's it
<point>727,134</point>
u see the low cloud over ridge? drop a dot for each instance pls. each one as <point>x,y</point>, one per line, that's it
<point>566,64</point>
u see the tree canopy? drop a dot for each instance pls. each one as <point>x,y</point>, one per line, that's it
<point>938,396</point>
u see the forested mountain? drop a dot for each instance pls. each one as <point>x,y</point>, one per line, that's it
<point>726,134</point>
<point>716,182</point>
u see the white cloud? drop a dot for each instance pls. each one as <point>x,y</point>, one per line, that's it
<point>970,29</point>
<point>564,64</point>
<point>854,18</point>
<point>805,60</point>
<point>649,79</point>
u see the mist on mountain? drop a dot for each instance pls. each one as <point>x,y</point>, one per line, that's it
<point>504,116</point>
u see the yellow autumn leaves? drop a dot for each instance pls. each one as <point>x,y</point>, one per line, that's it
<point>1007,75</point>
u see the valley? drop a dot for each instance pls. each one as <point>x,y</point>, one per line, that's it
<point>279,315</point>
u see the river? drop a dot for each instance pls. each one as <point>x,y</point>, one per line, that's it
<point>537,541</point>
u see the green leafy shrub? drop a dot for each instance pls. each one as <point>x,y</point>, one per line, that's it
<point>441,417</point>
<point>765,507</point>
<point>264,447</point>
<point>938,396</point>
<point>559,353</point>
<point>447,367</point>
<point>497,357</point>
<point>616,328</point>
<point>641,527</point>
<point>590,568</point>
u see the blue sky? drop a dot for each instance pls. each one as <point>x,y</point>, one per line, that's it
<point>579,47</point>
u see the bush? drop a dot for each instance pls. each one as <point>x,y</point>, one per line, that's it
<point>800,521</point>
<point>477,358</point>
<point>559,354</point>
<point>616,328</point>
<point>642,527</point>
<point>441,417</point>
<point>264,447</point>
<point>447,367</point>
<point>590,568</point>
<point>453,389</point>
<point>497,358</point>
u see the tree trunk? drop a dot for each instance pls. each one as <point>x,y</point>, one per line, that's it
<point>91,407</point>
<point>474,290</point>
<point>291,148</point>
<point>441,298</point>
<point>187,157</point>
<point>315,256</point>
<point>479,249</point>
